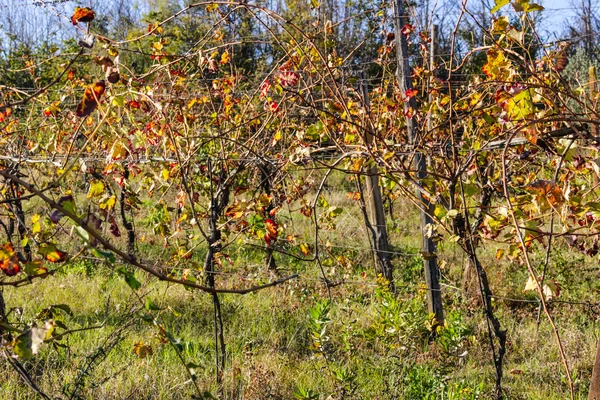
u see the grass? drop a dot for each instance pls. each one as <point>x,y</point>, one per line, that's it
<point>294,341</point>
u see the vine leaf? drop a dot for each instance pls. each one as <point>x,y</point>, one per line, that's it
<point>9,260</point>
<point>551,288</point>
<point>526,6</point>
<point>27,344</point>
<point>82,14</point>
<point>129,278</point>
<point>142,350</point>
<point>90,99</point>
<point>498,5</point>
<point>52,253</point>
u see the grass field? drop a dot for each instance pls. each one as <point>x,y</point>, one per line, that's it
<point>297,341</point>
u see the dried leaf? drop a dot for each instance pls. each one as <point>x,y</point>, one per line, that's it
<point>551,288</point>
<point>90,99</point>
<point>546,189</point>
<point>82,14</point>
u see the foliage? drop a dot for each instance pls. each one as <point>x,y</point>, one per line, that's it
<point>207,138</point>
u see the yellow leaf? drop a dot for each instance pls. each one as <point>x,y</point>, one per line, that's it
<point>35,223</point>
<point>305,248</point>
<point>118,151</point>
<point>96,189</point>
<point>500,253</point>
<point>108,203</point>
<point>551,288</point>
<point>225,58</point>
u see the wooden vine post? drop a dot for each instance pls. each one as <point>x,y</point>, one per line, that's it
<point>375,222</point>
<point>432,273</point>
<point>595,383</point>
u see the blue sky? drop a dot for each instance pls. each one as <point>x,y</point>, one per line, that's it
<point>557,10</point>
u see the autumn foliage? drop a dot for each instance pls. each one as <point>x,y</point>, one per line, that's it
<point>194,148</point>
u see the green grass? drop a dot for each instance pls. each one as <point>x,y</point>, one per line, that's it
<point>294,341</point>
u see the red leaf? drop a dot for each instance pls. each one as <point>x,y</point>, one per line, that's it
<point>272,228</point>
<point>407,29</point>
<point>410,93</point>
<point>288,78</point>
<point>264,88</point>
<point>271,106</point>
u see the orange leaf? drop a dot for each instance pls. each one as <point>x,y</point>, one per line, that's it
<point>272,231</point>
<point>51,253</point>
<point>9,260</point>
<point>89,102</point>
<point>225,57</point>
<point>84,14</point>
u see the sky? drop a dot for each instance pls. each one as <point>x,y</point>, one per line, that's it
<point>556,11</point>
<point>553,26</point>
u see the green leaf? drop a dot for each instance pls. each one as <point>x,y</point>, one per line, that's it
<point>68,203</point>
<point>498,5</point>
<point>151,306</point>
<point>440,211</point>
<point>22,346</point>
<point>7,327</point>
<point>129,278</point>
<point>118,101</point>
<point>334,211</point>
<point>452,213</point>
<point>107,255</point>
<point>64,308</point>
<point>82,233</point>
<point>470,189</point>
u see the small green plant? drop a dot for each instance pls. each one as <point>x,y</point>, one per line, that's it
<point>318,323</point>
<point>398,319</point>
<point>421,383</point>
<point>454,334</point>
<point>346,381</point>
<point>305,394</point>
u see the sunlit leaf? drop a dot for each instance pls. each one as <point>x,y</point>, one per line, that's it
<point>90,99</point>
<point>82,14</point>
<point>498,4</point>
<point>526,6</point>
<point>9,261</point>
<point>142,350</point>
<point>551,288</point>
<point>107,255</point>
<point>96,189</point>
<point>27,344</point>
<point>51,252</point>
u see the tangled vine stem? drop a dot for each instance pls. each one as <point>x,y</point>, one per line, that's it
<point>126,257</point>
<point>532,273</point>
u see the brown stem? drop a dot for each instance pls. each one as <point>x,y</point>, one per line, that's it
<point>124,256</point>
